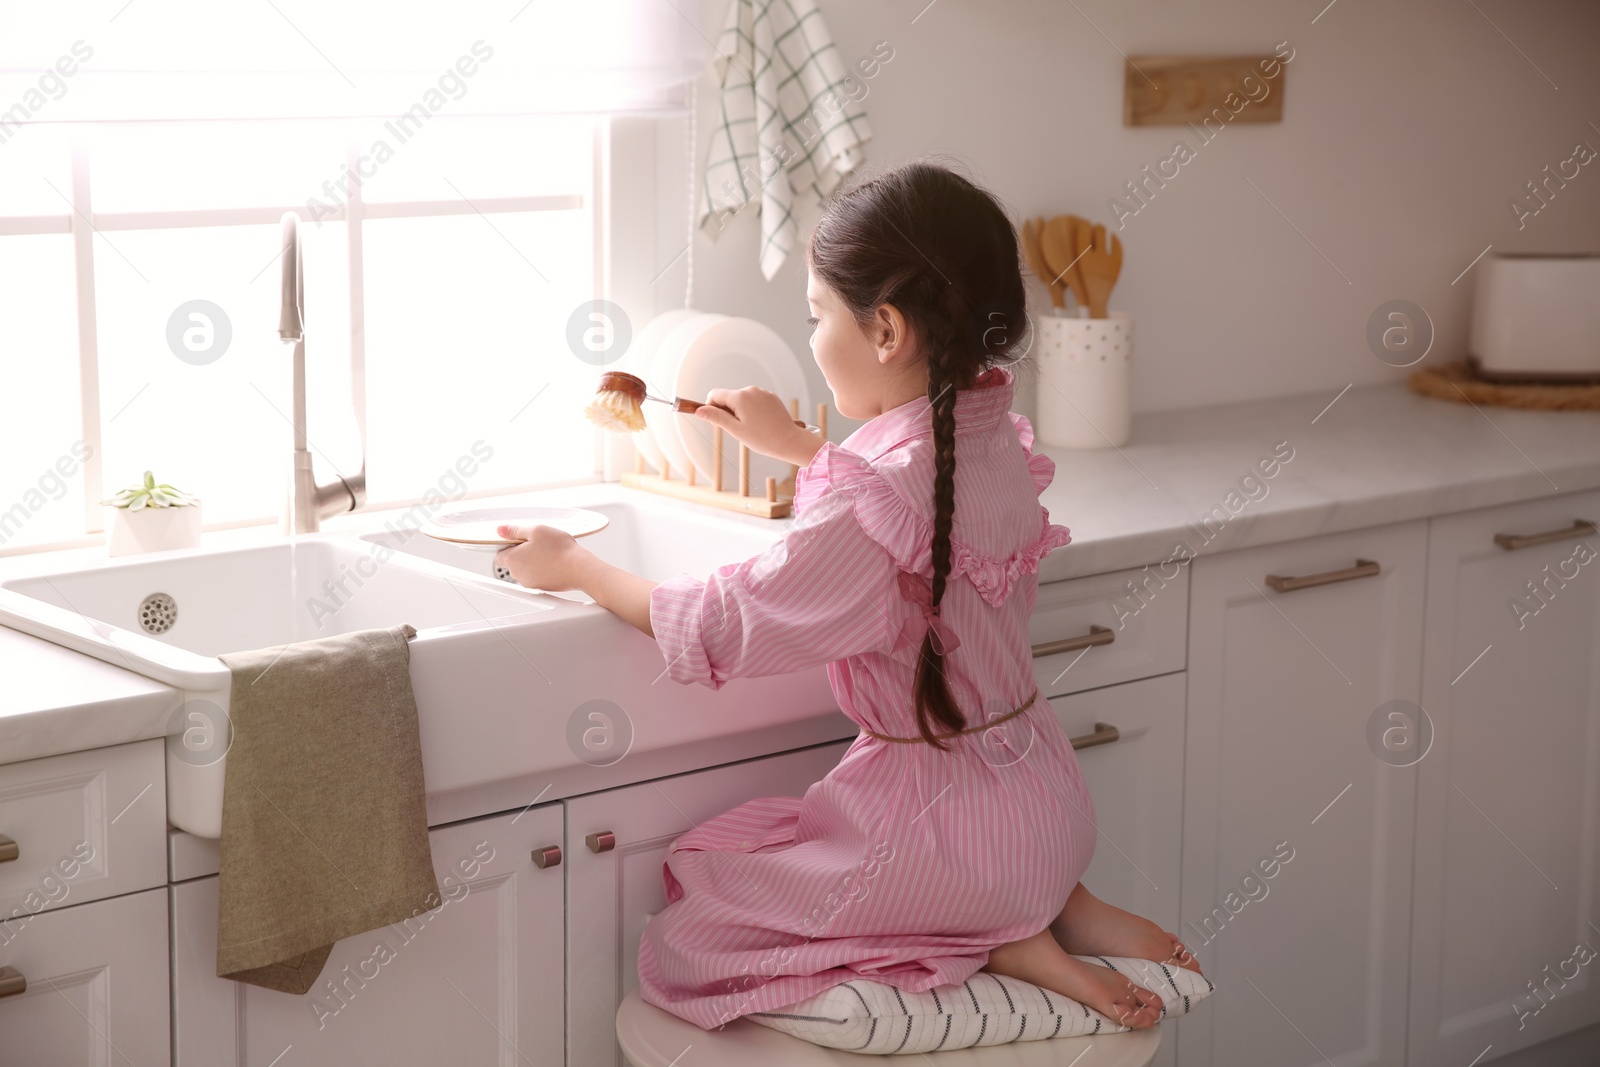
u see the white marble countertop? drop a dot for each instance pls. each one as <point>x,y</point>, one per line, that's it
<point>56,700</point>
<point>1378,454</point>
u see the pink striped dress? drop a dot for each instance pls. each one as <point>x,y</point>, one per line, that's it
<point>905,865</point>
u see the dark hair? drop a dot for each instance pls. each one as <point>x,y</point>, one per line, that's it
<point>943,252</point>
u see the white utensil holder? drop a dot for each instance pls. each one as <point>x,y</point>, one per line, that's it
<point>1085,377</point>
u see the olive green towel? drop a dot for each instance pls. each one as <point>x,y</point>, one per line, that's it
<point>324,827</point>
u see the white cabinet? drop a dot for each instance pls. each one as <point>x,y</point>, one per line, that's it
<point>614,883</point>
<point>82,826</point>
<point>477,980</point>
<point>1136,782</point>
<point>1109,628</point>
<point>1508,821</point>
<point>1297,838</point>
<point>1356,904</point>
<point>96,984</point>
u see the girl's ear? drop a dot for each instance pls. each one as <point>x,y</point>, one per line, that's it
<point>889,334</point>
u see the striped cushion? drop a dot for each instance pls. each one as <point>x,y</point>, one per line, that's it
<point>986,1009</point>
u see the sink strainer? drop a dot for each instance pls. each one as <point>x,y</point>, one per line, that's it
<point>157,613</point>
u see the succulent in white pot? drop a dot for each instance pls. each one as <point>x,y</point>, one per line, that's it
<point>152,517</point>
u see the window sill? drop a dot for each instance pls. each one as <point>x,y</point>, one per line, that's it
<point>73,555</point>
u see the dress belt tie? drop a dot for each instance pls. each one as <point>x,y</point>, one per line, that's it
<point>967,730</point>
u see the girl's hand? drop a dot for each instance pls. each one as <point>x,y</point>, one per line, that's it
<point>552,560</point>
<point>546,559</point>
<point>759,419</point>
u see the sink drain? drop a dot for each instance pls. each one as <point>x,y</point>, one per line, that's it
<point>157,613</point>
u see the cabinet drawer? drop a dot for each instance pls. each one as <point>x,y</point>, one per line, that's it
<point>1109,628</point>
<point>96,984</point>
<point>86,826</point>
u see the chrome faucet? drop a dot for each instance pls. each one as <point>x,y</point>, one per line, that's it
<point>309,501</point>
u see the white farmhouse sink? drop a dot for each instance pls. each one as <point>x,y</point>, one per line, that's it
<point>655,539</point>
<point>508,682</point>
<point>244,599</point>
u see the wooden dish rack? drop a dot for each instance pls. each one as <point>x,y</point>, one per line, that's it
<point>776,503</point>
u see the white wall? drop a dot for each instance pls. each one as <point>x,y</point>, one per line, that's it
<point>1407,128</point>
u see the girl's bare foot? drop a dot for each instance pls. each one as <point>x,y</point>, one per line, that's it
<point>1040,961</point>
<point>1088,926</point>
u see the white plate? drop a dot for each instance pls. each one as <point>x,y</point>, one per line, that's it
<point>730,353</point>
<point>661,420</point>
<point>480,526</point>
<point>637,362</point>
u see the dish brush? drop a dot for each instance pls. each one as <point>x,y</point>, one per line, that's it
<point>619,400</point>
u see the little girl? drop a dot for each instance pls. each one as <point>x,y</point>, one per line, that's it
<point>952,835</point>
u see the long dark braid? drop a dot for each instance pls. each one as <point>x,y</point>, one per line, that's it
<point>932,688</point>
<point>942,251</point>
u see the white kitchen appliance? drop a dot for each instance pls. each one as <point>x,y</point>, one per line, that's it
<point>1536,317</point>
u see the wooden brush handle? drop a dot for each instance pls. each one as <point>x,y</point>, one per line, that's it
<point>688,407</point>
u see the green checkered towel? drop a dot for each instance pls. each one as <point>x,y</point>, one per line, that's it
<point>787,124</point>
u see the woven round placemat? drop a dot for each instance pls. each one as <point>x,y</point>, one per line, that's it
<point>1455,381</point>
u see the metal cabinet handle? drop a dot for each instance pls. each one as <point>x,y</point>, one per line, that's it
<point>1364,568</point>
<point>8,849</point>
<point>604,841</point>
<point>1579,528</point>
<point>549,856</point>
<point>1104,734</point>
<point>12,982</point>
<point>1097,635</point>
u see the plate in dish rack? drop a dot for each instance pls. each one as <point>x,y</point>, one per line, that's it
<point>637,362</point>
<point>480,526</point>
<point>662,378</point>
<point>727,353</point>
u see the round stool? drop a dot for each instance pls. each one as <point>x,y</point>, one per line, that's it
<point>651,1037</point>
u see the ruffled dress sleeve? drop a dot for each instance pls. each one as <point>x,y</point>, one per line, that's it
<point>823,593</point>
<point>905,533</point>
<point>1041,468</point>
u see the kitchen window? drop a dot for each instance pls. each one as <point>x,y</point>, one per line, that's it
<point>448,274</point>
<point>449,169</point>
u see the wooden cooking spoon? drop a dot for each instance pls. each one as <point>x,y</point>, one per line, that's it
<point>1100,266</point>
<point>1061,253</point>
<point>1082,239</point>
<point>1033,251</point>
